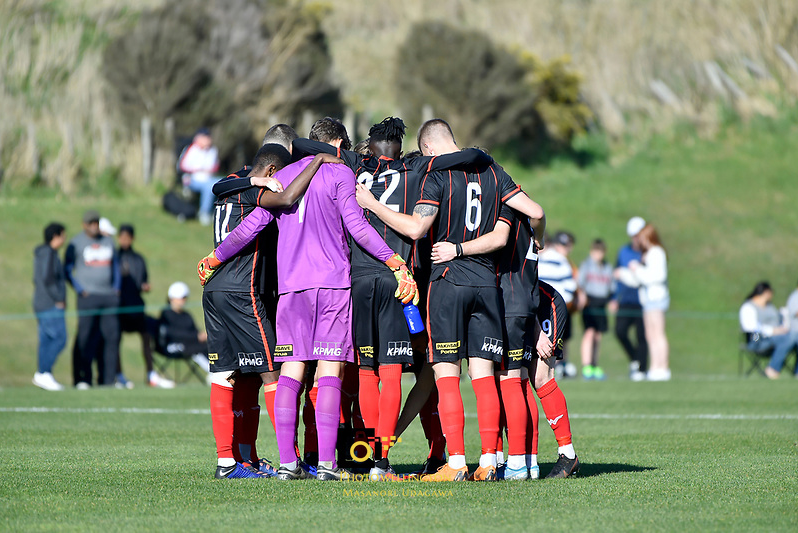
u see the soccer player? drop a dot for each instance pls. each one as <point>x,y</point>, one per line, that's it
<point>463,307</point>
<point>240,336</point>
<point>314,309</point>
<point>381,337</point>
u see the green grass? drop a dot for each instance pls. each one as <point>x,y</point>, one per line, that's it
<point>649,464</point>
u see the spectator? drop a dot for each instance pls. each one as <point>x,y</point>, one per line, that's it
<point>595,280</point>
<point>650,275</point>
<point>177,333</point>
<point>92,268</point>
<point>132,319</point>
<point>625,304</point>
<point>792,310</point>
<point>199,163</point>
<point>556,269</point>
<point>49,300</point>
<point>761,322</point>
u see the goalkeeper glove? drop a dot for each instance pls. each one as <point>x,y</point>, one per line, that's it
<point>407,289</point>
<point>206,267</point>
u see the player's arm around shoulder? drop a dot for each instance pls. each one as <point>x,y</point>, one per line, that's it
<point>494,240</point>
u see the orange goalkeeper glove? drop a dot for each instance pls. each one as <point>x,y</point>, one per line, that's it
<point>407,289</point>
<point>207,267</point>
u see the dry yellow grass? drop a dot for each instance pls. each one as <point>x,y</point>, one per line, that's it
<point>59,122</point>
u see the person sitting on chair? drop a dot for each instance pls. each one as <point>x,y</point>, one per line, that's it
<point>178,336</point>
<point>760,320</point>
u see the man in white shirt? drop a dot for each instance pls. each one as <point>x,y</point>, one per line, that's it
<point>199,163</point>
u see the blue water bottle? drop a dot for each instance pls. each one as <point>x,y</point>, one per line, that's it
<point>413,318</point>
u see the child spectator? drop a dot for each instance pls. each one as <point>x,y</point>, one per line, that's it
<point>49,300</point>
<point>177,333</point>
<point>595,279</point>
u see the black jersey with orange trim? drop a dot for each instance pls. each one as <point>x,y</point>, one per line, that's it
<point>518,266</point>
<point>469,204</point>
<point>396,184</point>
<point>246,271</point>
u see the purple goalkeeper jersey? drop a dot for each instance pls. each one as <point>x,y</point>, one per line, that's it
<point>312,250</point>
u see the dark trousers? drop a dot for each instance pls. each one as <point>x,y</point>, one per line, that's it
<point>98,338</point>
<point>631,317</point>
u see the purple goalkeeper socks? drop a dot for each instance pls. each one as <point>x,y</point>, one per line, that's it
<point>285,417</point>
<point>328,415</point>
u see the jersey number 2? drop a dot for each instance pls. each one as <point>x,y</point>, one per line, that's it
<point>391,177</point>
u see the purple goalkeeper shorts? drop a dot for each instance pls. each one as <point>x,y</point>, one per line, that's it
<point>315,325</point>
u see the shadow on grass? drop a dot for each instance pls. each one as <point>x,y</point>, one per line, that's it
<point>597,469</point>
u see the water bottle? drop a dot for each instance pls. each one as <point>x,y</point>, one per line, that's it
<point>413,318</point>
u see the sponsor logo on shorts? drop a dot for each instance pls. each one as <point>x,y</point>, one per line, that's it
<point>529,353</point>
<point>515,355</point>
<point>447,348</point>
<point>213,357</point>
<point>491,345</point>
<point>284,350</point>
<point>327,349</point>
<point>398,348</point>
<point>250,359</point>
<point>366,351</point>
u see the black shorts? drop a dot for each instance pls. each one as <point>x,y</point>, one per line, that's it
<point>240,337</point>
<point>133,322</point>
<point>594,315</point>
<point>379,328</point>
<point>519,344</point>
<point>553,316</point>
<point>463,322</point>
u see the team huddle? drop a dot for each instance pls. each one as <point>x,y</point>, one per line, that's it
<point>337,270</point>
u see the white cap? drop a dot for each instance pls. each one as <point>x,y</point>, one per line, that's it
<point>106,227</point>
<point>178,289</point>
<point>634,226</point>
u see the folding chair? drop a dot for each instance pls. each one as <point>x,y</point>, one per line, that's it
<point>756,359</point>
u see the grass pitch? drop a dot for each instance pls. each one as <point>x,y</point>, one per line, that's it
<point>685,455</point>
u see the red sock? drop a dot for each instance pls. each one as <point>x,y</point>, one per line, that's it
<point>431,422</point>
<point>268,395</point>
<point>532,418</point>
<point>369,397</point>
<point>390,404</point>
<point>450,409</point>
<point>553,402</point>
<point>487,412</point>
<point>349,392</point>
<point>516,414</point>
<point>247,418</point>
<point>309,419</point>
<point>222,420</point>
<point>502,424</point>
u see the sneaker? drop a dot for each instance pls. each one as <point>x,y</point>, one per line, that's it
<point>156,380</point>
<point>289,475</point>
<point>534,472</point>
<point>484,474</point>
<point>432,465</point>
<point>122,382</point>
<point>588,372</point>
<point>447,473</point>
<point>82,385</point>
<point>564,467</point>
<point>569,370</point>
<point>634,366</point>
<point>237,471</point>
<point>598,374</point>
<point>266,468</point>
<point>510,474</point>
<point>637,376</point>
<point>310,469</point>
<point>46,381</point>
<point>383,474</point>
<point>659,374</point>
<point>332,474</point>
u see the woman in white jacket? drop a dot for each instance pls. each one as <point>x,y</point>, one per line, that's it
<point>651,277</point>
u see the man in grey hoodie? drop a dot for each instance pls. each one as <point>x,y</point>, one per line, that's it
<point>92,267</point>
